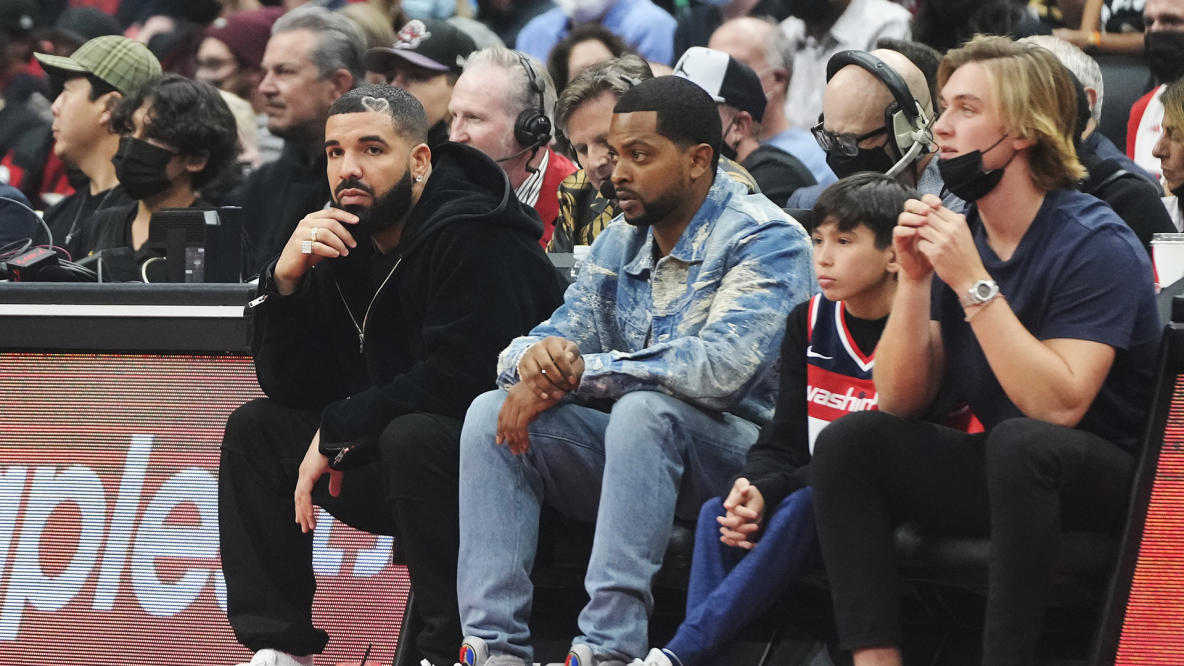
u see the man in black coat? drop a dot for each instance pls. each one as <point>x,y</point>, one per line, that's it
<point>375,328</point>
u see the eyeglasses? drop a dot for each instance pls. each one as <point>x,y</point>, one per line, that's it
<point>845,144</point>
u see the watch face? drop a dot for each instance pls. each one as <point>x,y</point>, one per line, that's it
<point>982,290</point>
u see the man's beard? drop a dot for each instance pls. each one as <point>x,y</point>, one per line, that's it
<point>656,210</point>
<point>386,209</point>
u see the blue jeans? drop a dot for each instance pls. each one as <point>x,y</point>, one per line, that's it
<point>631,470</point>
<point>731,586</point>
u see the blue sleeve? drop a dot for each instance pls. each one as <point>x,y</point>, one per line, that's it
<point>540,34</point>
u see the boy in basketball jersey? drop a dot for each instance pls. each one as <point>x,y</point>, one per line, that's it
<point>826,371</point>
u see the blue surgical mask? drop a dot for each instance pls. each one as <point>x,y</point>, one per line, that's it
<point>429,9</point>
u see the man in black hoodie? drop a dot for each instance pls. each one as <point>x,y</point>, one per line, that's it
<point>375,328</point>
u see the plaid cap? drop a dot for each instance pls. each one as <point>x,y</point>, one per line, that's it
<point>726,79</point>
<point>435,45</point>
<point>123,63</point>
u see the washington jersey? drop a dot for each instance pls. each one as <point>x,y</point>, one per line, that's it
<point>838,374</point>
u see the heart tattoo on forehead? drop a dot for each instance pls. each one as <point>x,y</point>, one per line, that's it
<point>376,104</point>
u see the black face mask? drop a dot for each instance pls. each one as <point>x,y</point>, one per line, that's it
<point>1165,55</point>
<point>965,177</point>
<point>867,159</point>
<point>140,167</point>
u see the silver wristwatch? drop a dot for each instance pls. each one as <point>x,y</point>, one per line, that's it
<point>981,292</point>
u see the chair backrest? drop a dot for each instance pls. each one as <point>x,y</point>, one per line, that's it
<point>1144,617</point>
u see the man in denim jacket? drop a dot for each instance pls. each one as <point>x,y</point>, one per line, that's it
<point>639,397</point>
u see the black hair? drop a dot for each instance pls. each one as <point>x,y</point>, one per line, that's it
<point>560,54</point>
<point>98,87</point>
<point>686,113</point>
<point>186,114</point>
<point>871,199</point>
<point>408,115</point>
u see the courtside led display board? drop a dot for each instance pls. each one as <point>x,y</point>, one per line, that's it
<point>1152,621</point>
<point>108,518</point>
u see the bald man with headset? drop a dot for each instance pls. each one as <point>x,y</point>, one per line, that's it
<point>502,105</point>
<point>876,116</point>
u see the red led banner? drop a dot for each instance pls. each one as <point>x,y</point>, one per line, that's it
<point>1151,628</point>
<point>108,519</point>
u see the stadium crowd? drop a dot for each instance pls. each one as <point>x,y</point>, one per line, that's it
<point>841,265</point>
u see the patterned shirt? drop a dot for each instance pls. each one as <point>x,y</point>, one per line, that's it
<point>703,323</point>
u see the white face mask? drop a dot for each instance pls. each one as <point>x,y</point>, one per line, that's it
<point>585,11</point>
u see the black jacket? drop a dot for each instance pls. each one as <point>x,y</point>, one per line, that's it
<point>467,277</point>
<point>274,198</point>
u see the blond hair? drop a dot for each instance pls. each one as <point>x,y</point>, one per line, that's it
<point>1173,105</point>
<point>1036,98</point>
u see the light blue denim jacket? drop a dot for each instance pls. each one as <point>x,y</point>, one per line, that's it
<point>703,323</point>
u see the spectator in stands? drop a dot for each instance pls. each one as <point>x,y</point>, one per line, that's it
<point>947,24</point>
<point>740,99</point>
<point>426,60</point>
<point>583,47</point>
<point>176,135</point>
<point>763,46</point>
<point>76,26</point>
<point>829,348</point>
<point>584,112</point>
<point>378,409</point>
<point>173,32</point>
<point>1131,192</point>
<point>1164,21</point>
<point>502,105</point>
<point>822,29</point>
<point>93,80</point>
<point>19,78</point>
<point>865,98</point>
<point>1170,151</point>
<point>640,395</point>
<point>1053,354</point>
<point>231,58</point>
<point>696,26</point>
<point>645,27</point>
<point>506,17</point>
<point>1107,27</point>
<point>375,25</point>
<point>313,57</point>
<point>24,101</point>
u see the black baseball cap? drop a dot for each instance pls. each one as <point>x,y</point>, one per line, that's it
<point>431,44</point>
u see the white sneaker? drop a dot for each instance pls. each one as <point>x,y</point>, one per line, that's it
<point>270,657</point>
<point>473,652</point>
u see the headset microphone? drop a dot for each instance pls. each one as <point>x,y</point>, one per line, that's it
<point>608,190</point>
<point>520,153</point>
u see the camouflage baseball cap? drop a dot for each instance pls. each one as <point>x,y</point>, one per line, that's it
<point>124,63</point>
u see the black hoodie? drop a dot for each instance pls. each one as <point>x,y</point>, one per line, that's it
<point>467,277</point>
